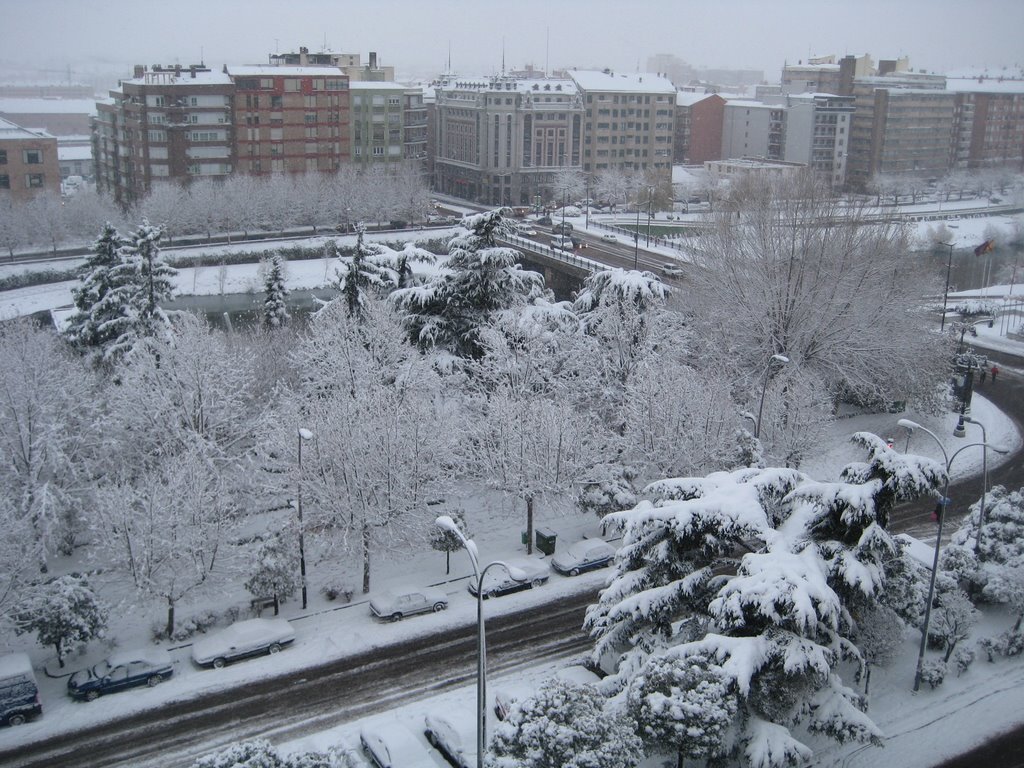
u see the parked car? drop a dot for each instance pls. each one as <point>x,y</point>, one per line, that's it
<point>254,637</point>
<point>393,747</point>
<point>562,227</point>
<point>443,737</point>
<point>396,605</point>
<point>526,230</point>
<point>610,238</point>
<point>19,694</point>
<point>544,220</point>
<point>586,555</point>
<point>123,670</point>
<point>505,697</point>
<point>499,581</point>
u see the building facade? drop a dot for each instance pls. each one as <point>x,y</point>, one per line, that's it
<point>629,122</point>
<point>698,127</point>
<point>388,123</point>
<point>501,140</point>
<point>818,133</point>
<point>989,122</point>
<point>28,162</point>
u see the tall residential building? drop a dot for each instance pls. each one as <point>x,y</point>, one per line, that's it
<point>902,124</point>
<point>818,133</point>
<point>501,140</point>
<point>989,122</point>
<point>630,121</point>
<point>752,129</point>
<point>388,123</point>
<point>698,127</point>
<point>290,119</point>
<point>28,162</point>
<point>164,123</point>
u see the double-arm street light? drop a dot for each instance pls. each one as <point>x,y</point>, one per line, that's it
<point>444,522</point>
<point>782,359</point>
<point>304,434</point>
<point>984,479</point>
<point>943,502</point>
<point>945,294</point>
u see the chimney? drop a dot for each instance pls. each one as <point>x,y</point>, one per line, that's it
<point>373,59</point>
<point>140,70</point>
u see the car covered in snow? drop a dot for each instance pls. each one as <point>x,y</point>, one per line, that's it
<point>122,670</point>
<point>392,746</point>
<point>243,639</point>
<point>446,739</point>
<point>672,270</point>
<point>395,605</point>
<point>498,581</point>
<point>609,238</point>
<point>583,556</point>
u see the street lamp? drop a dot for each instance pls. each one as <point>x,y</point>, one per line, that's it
<point>912,425</point>
<point>945,293</point>
<point>447,524</point>
<point>760,409</point>
<point>636,238</point>
<point>650,201</point>
<point>984,479</point>
<point>304,434</point>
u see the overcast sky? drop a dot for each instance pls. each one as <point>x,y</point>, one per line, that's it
<point>415,35</point>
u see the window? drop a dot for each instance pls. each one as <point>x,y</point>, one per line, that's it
<point>5,181</point>
<point>276,102</point>
<point>292,84</point>
<point>3,157</point>
<point>34,180</point>
<point>378,151</point>
<point>394,101</point>
<point>33,156</point>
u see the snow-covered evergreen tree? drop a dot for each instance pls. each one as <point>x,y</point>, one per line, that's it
<point>61,613</point>
<point>564,725</point>
<point>275,569</point>
<point>360,273</point>
<point>92,313</point>
<point>445,541</point>
<point>952,620</point>
<point>481,278</point>
<point>275,310</point>
<point>682,706</point>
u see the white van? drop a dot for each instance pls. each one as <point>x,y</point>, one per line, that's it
<point>19,694</point>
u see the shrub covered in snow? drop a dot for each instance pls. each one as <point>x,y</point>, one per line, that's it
<point>62,613</point>
<point>933,672</point>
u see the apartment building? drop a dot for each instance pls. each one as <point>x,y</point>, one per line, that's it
<point>818,132</point>
<point>698,127</point>
<point>163,124</point>
<point>28,162</point>
<point>988,122</point>
<point>290,119</point>
<point>501,140</point>
<point>388,123</point>
<point>349,63</point>
<point>752,129</point>
<point>629,121</point>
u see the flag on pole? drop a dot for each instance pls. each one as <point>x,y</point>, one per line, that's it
<point>985,247</point>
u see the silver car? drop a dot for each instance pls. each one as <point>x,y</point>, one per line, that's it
<point>241,640</point>
<point>583,556</point>
<point>397,604</point>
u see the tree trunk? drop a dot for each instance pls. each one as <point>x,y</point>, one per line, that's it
<point>867,678</point>
<point>366,558</point>
<point>277,605</point>
<point>170,617</point>
<point>447,563</point>
<point>529,524</point>
<point>60,654</point>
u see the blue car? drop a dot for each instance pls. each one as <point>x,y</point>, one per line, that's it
<point>127,669</point>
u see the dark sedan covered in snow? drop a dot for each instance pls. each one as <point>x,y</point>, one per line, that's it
<point>123,670</point>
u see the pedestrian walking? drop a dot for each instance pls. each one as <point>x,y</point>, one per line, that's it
<point>984,373</point>
<point>995,370</point>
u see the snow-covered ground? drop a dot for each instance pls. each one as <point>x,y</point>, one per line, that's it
<point>920,728</point>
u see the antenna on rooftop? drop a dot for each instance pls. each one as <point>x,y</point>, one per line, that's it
<point>503,54</point>
<point>547,50</point>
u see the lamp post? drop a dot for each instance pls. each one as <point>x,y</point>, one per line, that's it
<point>304,434</point>
<point>760,408</point>
<point>984,479</point>
<point>650,201</point>
<point>446,523</point>
<point>912,425</point>
<point>945,293</point>
<point>636,239</point>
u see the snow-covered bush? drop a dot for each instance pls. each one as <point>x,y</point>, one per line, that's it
<point>933,672</point>
<point>609,488</point>
<point>333,590</point>
<point>188,626</point>
<point>62,613</point>
<point>260,753</point>
<point>275,570</point>
<point>974,307</point>
<point>951,621</point>
<point>963,658</point>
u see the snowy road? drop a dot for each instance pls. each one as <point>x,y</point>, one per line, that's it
<point>290,707</point>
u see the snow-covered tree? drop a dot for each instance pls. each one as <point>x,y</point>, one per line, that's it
<point>275,310</point>
<point>567,185</point>
<point>952,620</point>
<point>567,726</point>
<point>359,274</point>
<point>385,432</point>
<point>879,636</point>
<point>833,295</point>
<point>275,570</point>
<point>481,279</point>
<point>400,262</point>
<point>99,278</point>
<point>613,186</point>
<point>48,403</point>
<point>607,488</point>
<point>682,706</point>
<point>445,541</point>
<point>61,613</point>
<point>13,227</point>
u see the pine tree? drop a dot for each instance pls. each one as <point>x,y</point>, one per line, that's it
<point>360,273</point>
<point>83,328</point>
<point>63,613</point>
<point>445,541</point>
<point>275,311</point>
<point>275,572</point>
<point>483,279</point>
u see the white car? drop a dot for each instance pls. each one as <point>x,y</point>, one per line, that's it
<point>444,737</point>
<point>527,231</point>
<point>583,556</point>
<point>394,747</point>
<point>609,238</point>
<point>241,640</point>
<point>672,270</point>
<point>396,605</point>
<point>499,581</point>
